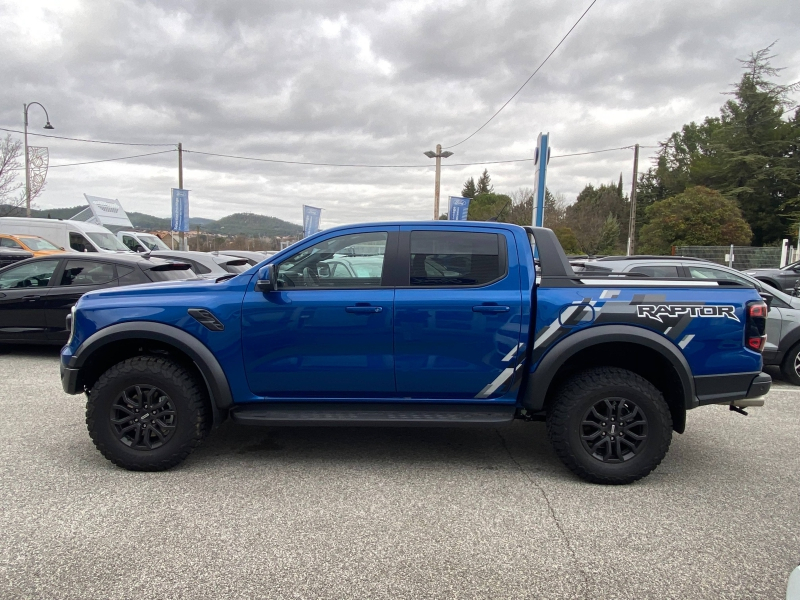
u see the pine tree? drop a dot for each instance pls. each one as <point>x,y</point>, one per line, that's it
<point>468,191</point>
<point>484,184</point>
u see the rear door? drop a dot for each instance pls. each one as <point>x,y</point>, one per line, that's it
<point>79,275</point>
<point>457,313</point>
<point>23,290</point>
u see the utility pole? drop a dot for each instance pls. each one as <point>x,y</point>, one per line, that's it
<point>632,223</point>
<point>438,155</point>
<point>182,243</point>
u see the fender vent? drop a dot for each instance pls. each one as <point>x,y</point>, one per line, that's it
<point>206,319</point>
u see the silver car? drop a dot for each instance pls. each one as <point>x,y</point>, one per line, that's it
<point>205,264</point>
<point>783,320</point>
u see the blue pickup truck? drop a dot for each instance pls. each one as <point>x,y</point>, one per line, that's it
<point>423,324</point>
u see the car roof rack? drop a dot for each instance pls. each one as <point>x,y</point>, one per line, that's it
<point>650,257</point>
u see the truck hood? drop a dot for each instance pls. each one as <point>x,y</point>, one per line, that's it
<point>160,288</point>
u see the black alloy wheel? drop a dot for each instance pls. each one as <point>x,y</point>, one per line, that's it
<point>614,430</point>
<point>144,417</point>
<point>791,365</point>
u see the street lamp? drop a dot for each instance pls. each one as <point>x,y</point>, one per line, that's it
<point>27,159</point>
<point>438,155</point>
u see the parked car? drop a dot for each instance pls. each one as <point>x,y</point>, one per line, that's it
<point>784,279</point>
<point>38,246</point>
<point>8,256</point>
<point>612,364</point>
<point>79,236</point>
<point>782,347</point>
<point>36,295</point>
<point>138,241</point>
<point>206,264</point>
<point>253,258</point>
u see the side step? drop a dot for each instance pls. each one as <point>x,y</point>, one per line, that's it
<point>382,415</point>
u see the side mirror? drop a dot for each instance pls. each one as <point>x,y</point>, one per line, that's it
<point>269,279</point>
<point>767,297</point>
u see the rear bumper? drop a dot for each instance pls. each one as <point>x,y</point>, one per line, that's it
<point>722,389</point>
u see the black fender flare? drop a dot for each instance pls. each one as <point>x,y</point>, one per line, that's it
<point>207,364</point>
<point>540,380</point>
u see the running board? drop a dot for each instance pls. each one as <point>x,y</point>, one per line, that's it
<point>381,415</point>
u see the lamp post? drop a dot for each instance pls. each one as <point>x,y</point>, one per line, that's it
<point>438,155</point>
<point>27,160</point>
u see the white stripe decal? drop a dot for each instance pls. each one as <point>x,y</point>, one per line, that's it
<point>649,283</point>
<point>499,380</point>
<point>555,325</point>
<point>685,341</point>
<point>512,353</point>
<point>610,294</point>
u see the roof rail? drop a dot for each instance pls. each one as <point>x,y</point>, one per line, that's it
<point>650,257</point>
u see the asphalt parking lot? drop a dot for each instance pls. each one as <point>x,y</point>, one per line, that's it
<point>390,513</point>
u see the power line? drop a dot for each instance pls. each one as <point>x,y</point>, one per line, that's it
<point>59,137</point>
<point>528,79</point>
<point>92,162</point>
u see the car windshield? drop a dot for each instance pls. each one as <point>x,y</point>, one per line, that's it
<point>791,267</point>
<point>152,242</point>
<point>36,243</point>
<point>106,241</point>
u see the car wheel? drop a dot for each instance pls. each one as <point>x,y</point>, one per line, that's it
<point>791,365</point>
<point>147,413</point>
<point>609,425</point>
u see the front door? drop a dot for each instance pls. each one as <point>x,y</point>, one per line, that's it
<point>458,316</point>
<point>23,290</point>
<point>327,330</point>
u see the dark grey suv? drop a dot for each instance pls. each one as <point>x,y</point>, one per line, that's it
<point>783,321</point>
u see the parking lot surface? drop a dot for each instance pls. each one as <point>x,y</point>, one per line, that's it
<point>390,513</point>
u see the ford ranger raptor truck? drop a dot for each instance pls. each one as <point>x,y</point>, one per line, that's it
<point>417,323</point>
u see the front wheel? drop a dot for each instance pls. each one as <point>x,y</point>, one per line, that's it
<point>609,425</point>
<point>147,413</point>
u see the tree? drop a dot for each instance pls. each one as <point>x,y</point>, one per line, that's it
<point>468,191</point>
<point>749,154</point>
<point>698,217</point>
<point>489,207</point>
<point>599,219</point>
<point>11,199</point>
<point>484,185</point>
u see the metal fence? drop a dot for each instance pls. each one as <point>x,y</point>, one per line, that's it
<point>744,257</point>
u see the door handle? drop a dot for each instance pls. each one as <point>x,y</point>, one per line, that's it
<point>361,310</point>
<point>31,298</point>
<point>491,309</point>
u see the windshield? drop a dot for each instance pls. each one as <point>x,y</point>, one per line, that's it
<point>152,242</point>
<point>106,241</point>
<point>36,243</point>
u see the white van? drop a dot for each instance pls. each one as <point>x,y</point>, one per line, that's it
<point>141,242</point>
<point>76,235</point>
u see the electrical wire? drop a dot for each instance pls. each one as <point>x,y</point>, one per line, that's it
<point>92,162</point>
<point>59,137</point>
<point>528,79</point>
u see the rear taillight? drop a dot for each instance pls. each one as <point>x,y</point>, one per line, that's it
<point>756,325</point>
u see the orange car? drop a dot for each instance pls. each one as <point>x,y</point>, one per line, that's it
<point>32,243</point>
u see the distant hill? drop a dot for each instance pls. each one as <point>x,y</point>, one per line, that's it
<point>236,224</point>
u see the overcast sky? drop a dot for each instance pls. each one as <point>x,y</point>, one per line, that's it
<point>340,81</point>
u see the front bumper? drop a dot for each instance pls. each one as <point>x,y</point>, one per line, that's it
<point>69,380</point>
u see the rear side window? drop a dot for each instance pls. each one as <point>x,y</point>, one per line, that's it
<point>454,258</point>
<point>711,273</point>
<point>656,270</point>
<point>169,273</point>
<point>85,272</point>
<point>9,243</point>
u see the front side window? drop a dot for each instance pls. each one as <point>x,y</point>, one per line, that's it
<point>455,258</point>
<point>131,243</point>
<point>79,243</point>
<point>31,275</point>
<point>711,273</point>
<point>153,242</point>
<point>107,241</point>
<point>84,272</point>
<point>344,262</point>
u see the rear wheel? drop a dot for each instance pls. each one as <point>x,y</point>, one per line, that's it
<point>609,425</point>
<point>147,414</point>
<point>791,365</point>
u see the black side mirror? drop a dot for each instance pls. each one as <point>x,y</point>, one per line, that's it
<point>270,284</point>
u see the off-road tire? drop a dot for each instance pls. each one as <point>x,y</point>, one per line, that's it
<point>788,366</point>
<point>187,395</point>
<point>583,391</point>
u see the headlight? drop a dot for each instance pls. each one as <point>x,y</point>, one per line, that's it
<point>71,325</point>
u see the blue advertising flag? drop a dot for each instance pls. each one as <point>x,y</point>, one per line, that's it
<point>459,207</point>
<point>311,217</point>
<point>180,210</point>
